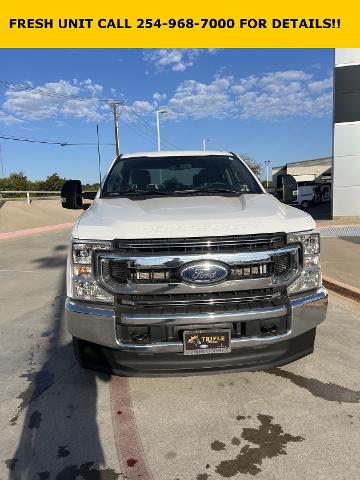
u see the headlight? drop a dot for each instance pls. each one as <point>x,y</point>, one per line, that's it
<point>310,241</point>
<point>310,276</point>
<point>82,252</point>
<point>84,286</point>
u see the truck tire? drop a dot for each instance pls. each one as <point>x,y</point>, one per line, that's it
<point>305,204</point>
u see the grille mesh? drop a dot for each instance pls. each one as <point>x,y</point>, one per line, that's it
<point>224,297</point>
<point>214,302</point>
<point>281,264</point>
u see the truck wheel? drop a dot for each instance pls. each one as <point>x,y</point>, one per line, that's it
<point>77,351</point>
<point>305,204</point>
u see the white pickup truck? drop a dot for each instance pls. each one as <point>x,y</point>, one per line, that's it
<point>183,263</point>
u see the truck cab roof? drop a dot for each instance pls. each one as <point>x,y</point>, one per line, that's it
<point>176,153</point>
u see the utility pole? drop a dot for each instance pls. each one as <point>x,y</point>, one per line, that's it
<point>114,105</point>
<point>1,162</point>
<point>267,163</point>
<point>158,112</point>
<point>204,143</point>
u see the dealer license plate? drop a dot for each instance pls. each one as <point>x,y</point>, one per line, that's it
<point>202,342</point>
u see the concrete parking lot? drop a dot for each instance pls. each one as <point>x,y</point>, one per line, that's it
<point>59,422</point>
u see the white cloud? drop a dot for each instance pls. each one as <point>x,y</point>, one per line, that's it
<point>274,95</point>
<point>201,100</point>
<point>321,85</point>
<point>93,88</point>
<point>177,59</point>
<point>9,119</point>
<point>269,96</point>
<point>159,97</point>
<point>141,107</point>
<point>86,109</point>
<point>54,99</point>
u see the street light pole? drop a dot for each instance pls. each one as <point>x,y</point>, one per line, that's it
<point>158,112</point>
<point>1,161</point>
<point>267,163</point>
<point>204,143</point>
<point>114,104</point>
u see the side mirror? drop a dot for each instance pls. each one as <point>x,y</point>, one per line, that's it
<point>71,195</point>
<point>286,188</point>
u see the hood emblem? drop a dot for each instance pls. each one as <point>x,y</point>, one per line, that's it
<point>203,272</point>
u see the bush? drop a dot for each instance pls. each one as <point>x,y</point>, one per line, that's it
<point>19,181</point>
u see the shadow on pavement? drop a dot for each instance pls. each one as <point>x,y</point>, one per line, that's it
<point>60,436</point>
<point>321,211</point>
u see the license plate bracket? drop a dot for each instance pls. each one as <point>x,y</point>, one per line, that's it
<point>205,342</point>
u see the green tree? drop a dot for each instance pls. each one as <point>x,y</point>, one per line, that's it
<point>52,182</point>
<point>15,181</point>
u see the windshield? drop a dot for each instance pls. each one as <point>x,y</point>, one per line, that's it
<point>183,175</point>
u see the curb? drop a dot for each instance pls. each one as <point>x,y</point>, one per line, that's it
<point>342,288</point>
<point>33,231</point>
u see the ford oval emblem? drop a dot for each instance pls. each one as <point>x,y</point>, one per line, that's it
<point>204,273</point>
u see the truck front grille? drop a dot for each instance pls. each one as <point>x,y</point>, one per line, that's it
<point>200,303</point>
<point>220,301</point>
<point>201,245</point>
<point>120,271</point>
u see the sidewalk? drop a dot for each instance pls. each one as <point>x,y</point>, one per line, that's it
<point>340,259</point>
<point>340,264</point>
<point>17,215</point>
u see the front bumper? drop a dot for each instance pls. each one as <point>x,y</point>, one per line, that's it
<point>305,312</point>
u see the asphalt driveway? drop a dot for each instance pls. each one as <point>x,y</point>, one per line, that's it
<point>301,421</point>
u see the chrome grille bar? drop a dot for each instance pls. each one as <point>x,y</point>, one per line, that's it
<point>217,244</point>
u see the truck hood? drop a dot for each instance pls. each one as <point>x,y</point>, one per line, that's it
<point>191,216</point>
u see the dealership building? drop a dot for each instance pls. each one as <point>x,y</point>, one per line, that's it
<point>343,168</point>
<point>346,161</point>
<point>316,170</point>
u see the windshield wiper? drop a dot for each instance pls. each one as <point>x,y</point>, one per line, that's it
<point>218,190</point>
<point>136,191</point>
<point>192,191</point>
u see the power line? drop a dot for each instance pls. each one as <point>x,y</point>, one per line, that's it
<point>151,128</point>
<point>112,103</point>
<point>148,133</point>
<point>147,127</point>
<point>50,142</point>
<point>137,128</point>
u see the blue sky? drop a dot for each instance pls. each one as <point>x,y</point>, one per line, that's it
<point>272,104</point>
